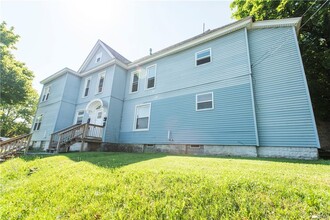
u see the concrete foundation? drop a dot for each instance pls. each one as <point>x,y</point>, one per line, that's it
<point>306,153</point>
<point>240,151</point>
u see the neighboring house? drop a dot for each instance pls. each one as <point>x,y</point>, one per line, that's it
<point>235,90</point>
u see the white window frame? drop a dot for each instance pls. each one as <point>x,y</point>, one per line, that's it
<point>37,121</point>
<point>147,78</point>
<point>99,55</point>
<point>204,101</point>
<point>76,117</point>
<point>89,88</point>
<point>135,117</point>
<point>98,82</point>
<point>44,94</point>
<point>131,81</point>
<point>204,57</point>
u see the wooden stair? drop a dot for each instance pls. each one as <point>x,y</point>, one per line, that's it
<point>61,141</point>
<point>14,146</point>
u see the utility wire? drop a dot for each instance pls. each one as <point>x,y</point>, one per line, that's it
<point>271,51</point>
<point>313,14</point>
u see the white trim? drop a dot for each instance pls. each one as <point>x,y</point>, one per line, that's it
<point>102,66</point>
<point>204,57</point>
<point>134,122</point>
<point>206,93</point>
<point>146,81</point>
<point>76,116</point>
<point>85,86</point>
<point>103,73</point>
<point>92,53</point>
<point>199,40</point>
<point>58,74</point>
<point>43,93</point>
<point>131,81</point>
<point>251,89</point>
<point>307,89</point>
<point>286,22</point>
<point>92,101</point>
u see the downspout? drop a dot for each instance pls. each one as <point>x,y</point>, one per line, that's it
<point>251,88</point>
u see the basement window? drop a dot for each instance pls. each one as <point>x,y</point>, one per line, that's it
<point>203,57</point>
<point>195,146</point>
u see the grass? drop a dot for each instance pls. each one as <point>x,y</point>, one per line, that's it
<point>157,186</point>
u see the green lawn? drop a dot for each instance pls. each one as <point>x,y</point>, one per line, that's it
<point>159,186</point>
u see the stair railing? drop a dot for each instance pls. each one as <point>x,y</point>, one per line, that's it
<point>15,145</point>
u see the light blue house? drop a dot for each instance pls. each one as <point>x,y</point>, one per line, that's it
<point>235,90</point>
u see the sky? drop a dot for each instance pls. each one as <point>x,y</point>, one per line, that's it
<point>55,34</point>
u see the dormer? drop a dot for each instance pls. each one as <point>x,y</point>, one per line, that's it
<point>101,54</point>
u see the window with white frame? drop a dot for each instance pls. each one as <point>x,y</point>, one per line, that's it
<point>203,56</point>
<point>204,101</point>
<point>87,85</point>
<point>45,94</point>
<point>37,123</point>
<point>135,81</point>
<point>101,82</point>
<point>142,117</point>
<point>98,57</point>
<point>151,76</point>
<point>80,116</point>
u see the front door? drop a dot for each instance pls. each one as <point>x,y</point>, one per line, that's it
<point>97,117</point>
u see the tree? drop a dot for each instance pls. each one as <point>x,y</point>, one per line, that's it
<point>18,99</point>
<point>314,40</point>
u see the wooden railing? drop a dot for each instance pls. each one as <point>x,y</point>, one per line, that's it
<point>74,134</point>
<point>14,145</point>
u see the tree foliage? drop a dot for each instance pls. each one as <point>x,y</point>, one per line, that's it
<point>314,40</point>
<point>18,99</point>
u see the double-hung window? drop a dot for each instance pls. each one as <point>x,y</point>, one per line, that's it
<point>37,123</point>
<point>87,85</point>
<point>203,56</point>
<point>204,101</point>
<point>134,81</point>
<point>80,116</point>
<point>45,94</point>
<point>151,76</point>
<point>101,82</point>
<point>142,117</point>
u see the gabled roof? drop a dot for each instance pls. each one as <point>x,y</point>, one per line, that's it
<point>196,40</point>
<point>112,53</point>
<point>117,55</point>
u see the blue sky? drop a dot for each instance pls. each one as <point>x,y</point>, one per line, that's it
<point>58,34</point>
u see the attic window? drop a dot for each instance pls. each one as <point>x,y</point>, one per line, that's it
<point>98,57</point>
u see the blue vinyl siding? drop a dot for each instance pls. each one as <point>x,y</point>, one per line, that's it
<point>173,100</point>
<point>178,71</point>
<point>92,64</point>
<point>229,123</point>
<point>283,112</point>
<point>116,106</point>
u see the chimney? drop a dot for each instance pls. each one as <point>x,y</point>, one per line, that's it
<point>150,51</point>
